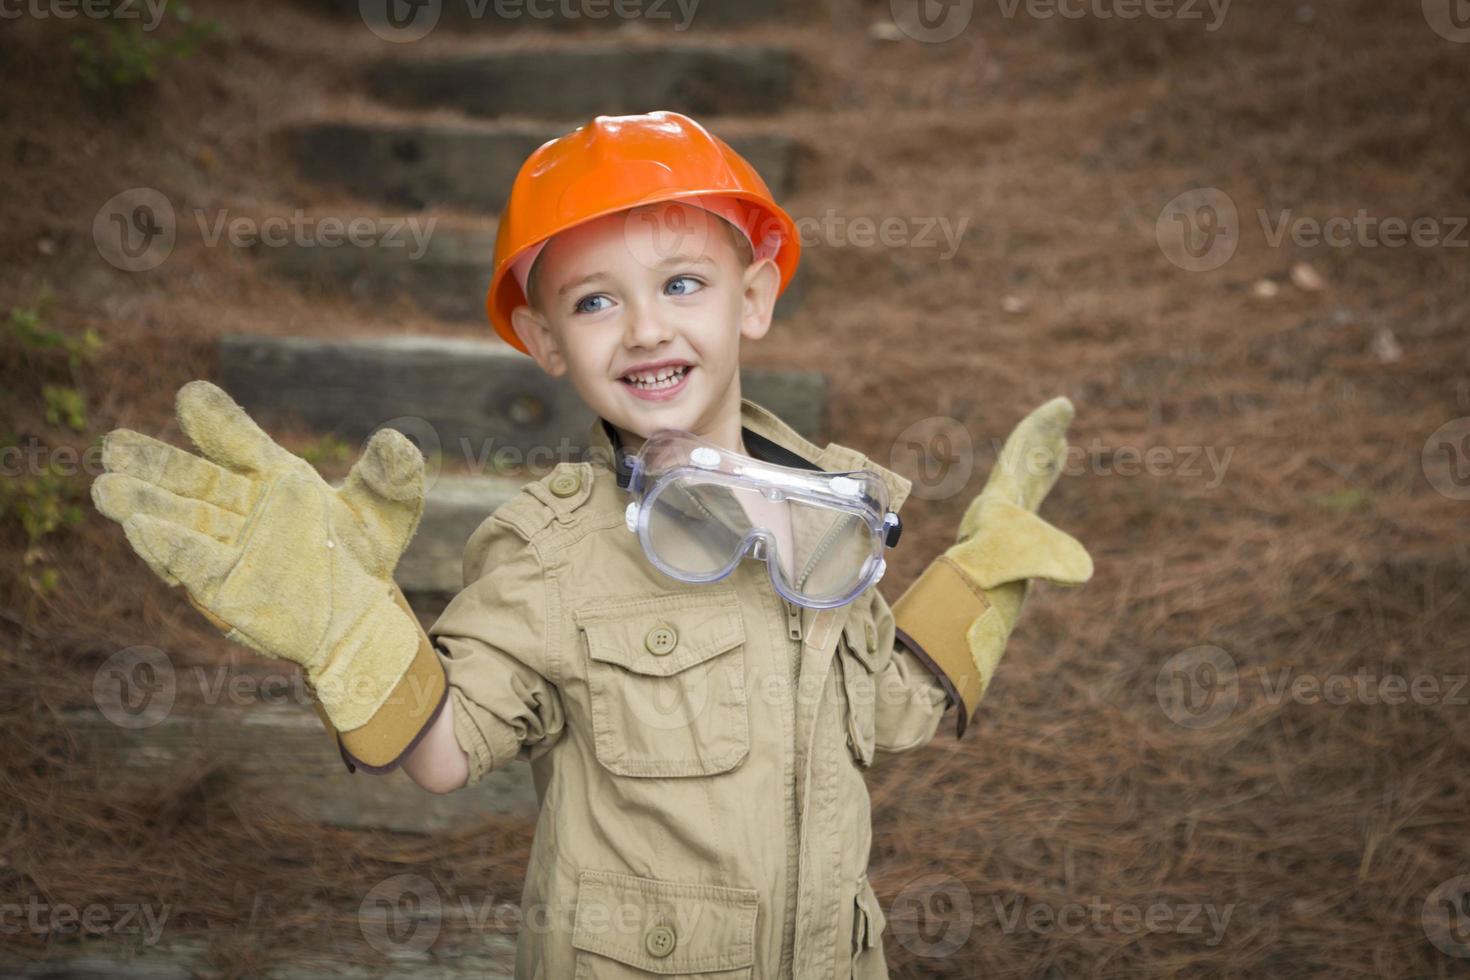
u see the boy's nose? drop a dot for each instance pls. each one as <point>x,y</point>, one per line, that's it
<point>647,329</point>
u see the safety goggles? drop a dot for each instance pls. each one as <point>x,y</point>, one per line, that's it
<point>699,509</point>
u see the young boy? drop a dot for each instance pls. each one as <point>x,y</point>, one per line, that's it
<point>697,747</point>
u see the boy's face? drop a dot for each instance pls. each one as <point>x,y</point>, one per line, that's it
<point>659,291</point>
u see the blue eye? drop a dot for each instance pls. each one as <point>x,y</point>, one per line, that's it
<point>581,306</point>
<point>693,286</point>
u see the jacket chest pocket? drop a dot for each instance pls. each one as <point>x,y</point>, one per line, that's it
<point>861,661</point>
<point>666,683</point>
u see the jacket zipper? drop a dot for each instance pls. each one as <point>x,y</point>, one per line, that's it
<point>793,620</point>
<point>793,857</point>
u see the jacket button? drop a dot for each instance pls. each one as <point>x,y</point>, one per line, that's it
<point>661,639</point>
<point>660,941</point>
<point>871,635</point>
<point>565,484</point>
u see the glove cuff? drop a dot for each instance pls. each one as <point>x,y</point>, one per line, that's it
<point>384,686</point>
<point>932,618</point>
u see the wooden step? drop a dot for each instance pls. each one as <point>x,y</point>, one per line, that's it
<point>476,403</point>
<point>448,279</point>
<point>566,15</point>
<point>487,956</point>
<point>418,166</point>
<point>574,82</point>
<point>431,570</point>
<point>271,749</point>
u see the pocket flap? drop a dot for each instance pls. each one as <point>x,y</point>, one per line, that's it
<point>665,634</point>
<point>870,921</point>
<point>665,926</point>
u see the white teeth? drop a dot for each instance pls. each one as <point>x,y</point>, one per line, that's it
<point>655,380</point>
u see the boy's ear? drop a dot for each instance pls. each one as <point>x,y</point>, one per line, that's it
<point>536,334</point>
<point>758,298</point>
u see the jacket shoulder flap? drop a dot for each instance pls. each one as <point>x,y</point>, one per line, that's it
<point>553,498</point>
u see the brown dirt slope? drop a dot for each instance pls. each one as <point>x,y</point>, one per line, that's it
<point>1313,546</point>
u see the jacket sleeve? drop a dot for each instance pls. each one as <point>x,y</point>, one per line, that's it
<point>492,640</point>
<point>909,699</point>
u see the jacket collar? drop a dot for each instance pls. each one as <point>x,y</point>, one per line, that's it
<point>769,439</point>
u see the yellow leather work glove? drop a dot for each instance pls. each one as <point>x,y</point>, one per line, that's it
<point>959,613</point>
<point>284,563</point>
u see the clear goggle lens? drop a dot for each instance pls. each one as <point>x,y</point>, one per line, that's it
<point>823,548</point>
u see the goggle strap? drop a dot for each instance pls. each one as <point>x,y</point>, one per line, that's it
<point>893,527</point>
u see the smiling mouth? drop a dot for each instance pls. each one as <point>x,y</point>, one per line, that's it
<point>656,380</point>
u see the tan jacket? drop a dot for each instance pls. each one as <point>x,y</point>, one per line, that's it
<point>697,750</point>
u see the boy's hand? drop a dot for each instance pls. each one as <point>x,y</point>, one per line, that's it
<point>268,551</point>
<point>961,610</point>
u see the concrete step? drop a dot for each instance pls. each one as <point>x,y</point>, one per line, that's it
<point>482,406</point>
<point>464,166</point>
<point>271,749</point>
<point>488,956</point>
<point>412,21</point>
<point>696,79</point>
<point>448,279</point>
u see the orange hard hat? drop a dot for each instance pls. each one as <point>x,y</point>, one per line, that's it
<point>618,162</point>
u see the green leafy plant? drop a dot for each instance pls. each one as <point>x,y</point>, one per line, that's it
<point>43,499</point>
<point>42,503</point>
<point>65,406</point>
<point>328,449</point>
<point>126,55</point>
<point>29,326</point>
